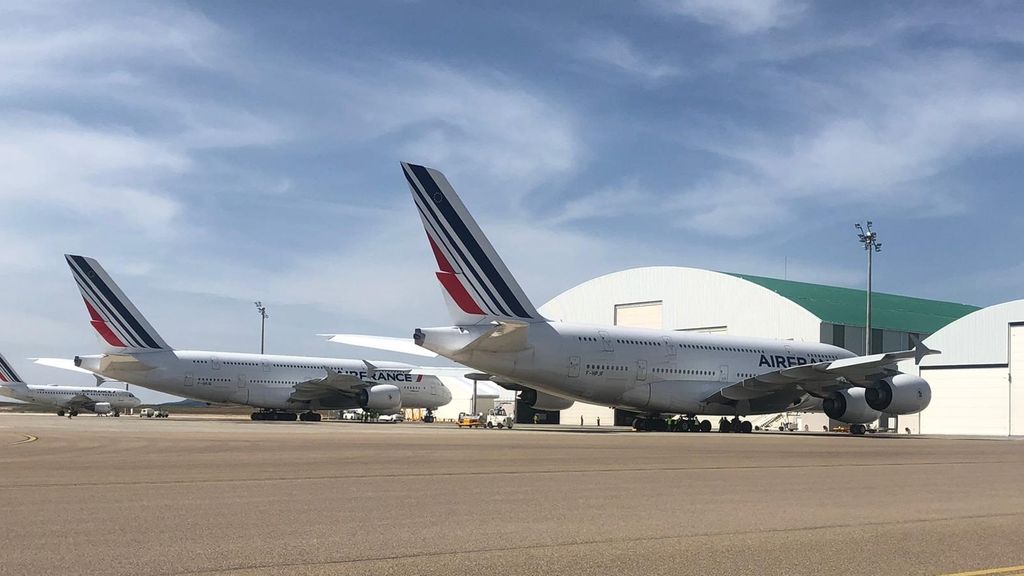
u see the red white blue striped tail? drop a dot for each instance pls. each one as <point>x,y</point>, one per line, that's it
<point>119,324</point>
<point>476,283</point>
<point>7,373</point>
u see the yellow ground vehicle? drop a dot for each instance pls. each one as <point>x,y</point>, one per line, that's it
<point>468,420</point>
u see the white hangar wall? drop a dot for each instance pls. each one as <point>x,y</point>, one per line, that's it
<point>978,380</point>
<point>691,299</point>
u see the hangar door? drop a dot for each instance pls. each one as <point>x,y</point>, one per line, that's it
<point>965,400</point>
<point>1016,343</point>
<point>639,315</point>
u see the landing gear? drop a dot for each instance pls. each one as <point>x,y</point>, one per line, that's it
<point>858,429</point>
<point>275,415</point>
<point>641,424</point>
<point>60,413</point>
<point>72,413</point>
<point>310,417</point>
<point>428,417</point>
<point>691,424</point>
<point>735,425</point>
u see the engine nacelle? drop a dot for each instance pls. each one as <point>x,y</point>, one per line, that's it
<point>383,398</point>
<point>901,394</point>
<point>541,401</point>
<point>102,408</point>
<point>850,406</point>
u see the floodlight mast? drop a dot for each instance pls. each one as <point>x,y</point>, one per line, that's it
<point>263,321</point>
<point>869,238</point>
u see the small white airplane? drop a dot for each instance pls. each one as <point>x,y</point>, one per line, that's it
<point>499,332</point>
<point>282,387</point>
<point>66,399</point>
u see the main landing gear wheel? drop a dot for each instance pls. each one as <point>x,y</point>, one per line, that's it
<point>428,418</point>
<point>310,417</point>
<point>858,429</point>
<point>746,427</point>
<point>275,415</point>
<point>650,425</point>
<point>60,412</point>
<point>705,425</point>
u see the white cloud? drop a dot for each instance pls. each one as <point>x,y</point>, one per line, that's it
<point>885,141</point>
<point>58,163</point>
<point>478,123</point>
<point>739,16</point>
<point>618,53</point>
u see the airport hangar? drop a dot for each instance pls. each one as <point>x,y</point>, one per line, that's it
<point>691,299</point>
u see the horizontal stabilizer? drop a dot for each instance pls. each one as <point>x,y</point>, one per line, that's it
<point>62,363</point>
<point>392,344</point>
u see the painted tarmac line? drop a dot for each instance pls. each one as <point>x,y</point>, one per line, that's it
<point>1005,571</point>
<point>27,438</point>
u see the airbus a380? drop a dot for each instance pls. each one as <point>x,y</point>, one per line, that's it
<point>66,399</point>
<point>282,387</point>
<point>653,372</point>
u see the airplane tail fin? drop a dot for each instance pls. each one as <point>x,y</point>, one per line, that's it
<point>7,373</point>
<point>476,283</point>
<point>119,324</point>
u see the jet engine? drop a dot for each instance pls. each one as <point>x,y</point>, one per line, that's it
<point>102,408</point>
<point>850,406</point>
<point>541,401</point>
<point>901,394</point>
<point>383,398</point>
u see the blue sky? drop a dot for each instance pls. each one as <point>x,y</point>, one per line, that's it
<point>212,154</point>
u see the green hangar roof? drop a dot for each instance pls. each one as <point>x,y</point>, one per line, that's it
<point>846,306</point>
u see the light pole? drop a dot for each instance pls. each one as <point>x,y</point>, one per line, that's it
<point>871,244</point>
<point>263,321</point>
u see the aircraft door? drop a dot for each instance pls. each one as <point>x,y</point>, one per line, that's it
<point>574,366</point>
<point>723,373</point>
<point>215,362</point>
<point>190,379</point>
<point>641,370</point>
<point>606,342</point>
<point>242,381</point>
<point>670,347</point>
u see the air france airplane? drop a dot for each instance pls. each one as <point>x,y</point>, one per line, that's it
<point>653,372</point>
<point>66,399</point>
<point>282,387</point>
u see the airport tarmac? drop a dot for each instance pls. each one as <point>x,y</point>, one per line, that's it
<point>94,495</point>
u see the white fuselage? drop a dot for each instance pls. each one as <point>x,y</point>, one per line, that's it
<point>613,366</point>
<point>63,396</point>
<point>260,380</point>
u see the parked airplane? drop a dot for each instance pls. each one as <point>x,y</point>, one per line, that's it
<point>498,331</point>
<point>280,386</point>
<point>66,399</point>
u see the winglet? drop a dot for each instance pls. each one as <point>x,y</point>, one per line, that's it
<point>371,370</point>
<point>920,351</point>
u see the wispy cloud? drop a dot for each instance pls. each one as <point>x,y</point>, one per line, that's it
<point>892,133</point>
<point>738,16</point>
<point>619,54</point>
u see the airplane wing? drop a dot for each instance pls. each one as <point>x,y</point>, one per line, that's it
<point>402,345</point>
<point>332,383</point>
<point>823,377</point>
<point>80,401</point>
